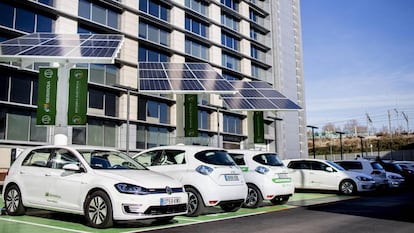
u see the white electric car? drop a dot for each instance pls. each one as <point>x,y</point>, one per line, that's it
<point>104,185</point>
<point>266,177</point>
<point>210,176</point>
<point>327,175</point>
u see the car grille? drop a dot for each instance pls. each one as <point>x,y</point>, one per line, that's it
<point>169,209</point>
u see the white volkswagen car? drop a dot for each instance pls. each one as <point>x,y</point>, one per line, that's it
<point>266,177</point>
<point>327,175</point>
<point>210,176</point>
<point>103,185</point>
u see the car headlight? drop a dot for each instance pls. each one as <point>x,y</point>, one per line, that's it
<point>394,177</point>
<point>364,178</point>
<point>205,170</point>
<point>262,170</point>
<point>131,189</point>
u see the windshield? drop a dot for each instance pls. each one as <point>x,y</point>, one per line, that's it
<point>268,159</point>
<point>215,157</point>
<point>107,159</point>
<point>339,168</point>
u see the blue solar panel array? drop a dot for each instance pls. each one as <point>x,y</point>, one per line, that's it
<point>41,46</point>
<point>181,78</point>
<point>257,96</point>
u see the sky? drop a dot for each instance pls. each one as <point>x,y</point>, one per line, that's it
<point>358,60</point>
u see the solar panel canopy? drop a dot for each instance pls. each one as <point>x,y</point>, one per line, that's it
<point>184,78</point>
<point>257,96</point>
<point>62,48</point>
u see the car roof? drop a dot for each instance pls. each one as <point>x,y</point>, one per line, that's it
<point>306,159</point>
<point>249,152</point>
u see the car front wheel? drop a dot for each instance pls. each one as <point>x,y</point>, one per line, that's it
<point>347,187</point>
<point>98,210</point>
<point>13,201</point>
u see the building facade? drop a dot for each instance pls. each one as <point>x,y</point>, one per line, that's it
<point>241,39</point>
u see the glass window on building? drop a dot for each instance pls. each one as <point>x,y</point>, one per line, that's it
<point>23,19</point>
<point>233,4</point>
<point>101,133</point>
<point>228,76</point>
<point>229,41</point>
<point>230,62</point>
<point>203,119</point>
<point>105,101</point>
<point>98,13</point>
<point>150,55</point>
<point>232,124</point>
<point>253,34</point>
<point>195,26</point>
<point>229,21</point>
<point>154,34</point>
<point>155,109</point>
<point>199,6</point>
<point>154,8</point>
<point>151,136</point>
<point>196,49</point>
<point>103,74</point>
<point>20,125</point>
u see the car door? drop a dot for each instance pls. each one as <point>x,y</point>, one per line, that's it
<point>321,177</point>
<point>300,171</point>
<point>34,182</point>
<point>66,186</point>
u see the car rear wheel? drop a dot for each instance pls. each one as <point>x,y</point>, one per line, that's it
<point>195,203</point>
<point>13,201</point>
<point>98,210</point>
<point>279,200</point>
<point>347,187</point>
<point>254,197</point>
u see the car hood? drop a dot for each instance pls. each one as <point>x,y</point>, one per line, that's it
<point>356,174</point>
<point>143,178</point>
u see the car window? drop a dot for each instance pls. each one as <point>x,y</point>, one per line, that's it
<point>336,166</point>
<point>174,156</point>
<point>102,159</point>
<point>376,165</point>
<point>318,166</point>
<point>299,165</point>
<point>351,165</point>
<point>37,158</point>
<point>238,158</point>
<point>61,157</point>
<point>215,157</point>
<point>268,159</point>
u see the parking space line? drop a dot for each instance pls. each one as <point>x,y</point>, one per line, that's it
<point>42,225</point>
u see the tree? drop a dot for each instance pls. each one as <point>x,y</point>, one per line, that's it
<point>353,127</point>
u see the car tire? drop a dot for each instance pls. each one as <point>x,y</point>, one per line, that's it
<point>231,207</point>
<point>13,201</point>
<point>98,210</point>
<point>279,200</point>
<point>347,187</point>
<point>254,197</point>
<point>195,205</point>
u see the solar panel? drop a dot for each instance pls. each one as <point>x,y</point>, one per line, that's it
<point>183,78</point>
<point>257,96</point>
<point>64,48</point>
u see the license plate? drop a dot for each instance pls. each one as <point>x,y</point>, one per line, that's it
<point>170,200</point>
<point>231,177</point>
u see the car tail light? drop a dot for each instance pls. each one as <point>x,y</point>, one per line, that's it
<point>212,202</point>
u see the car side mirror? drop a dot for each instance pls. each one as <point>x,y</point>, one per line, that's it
<point>72,167</point>
<point>329,169</point>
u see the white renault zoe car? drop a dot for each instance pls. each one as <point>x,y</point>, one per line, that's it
<point>266,177</point>
<point>327,175</point>
<point>103,185</point>
<point>210,176</point>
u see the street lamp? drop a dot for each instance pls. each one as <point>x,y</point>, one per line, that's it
<point>313,138</point>
<point>340,142</point>
<point>362,147</point>
<point>274,120</point>
<point>128,90</point>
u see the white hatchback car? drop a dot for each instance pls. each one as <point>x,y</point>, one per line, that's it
<point>266,177</point>
<point>371,168</point>
<point>327,175</point>
<point>210,176</point>
<point>104,185</point>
